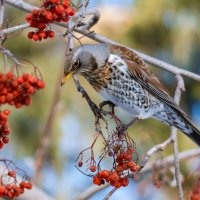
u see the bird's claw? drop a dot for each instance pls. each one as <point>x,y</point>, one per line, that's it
<point>110,104</point>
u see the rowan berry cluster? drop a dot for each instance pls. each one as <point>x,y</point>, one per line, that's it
<point>120,148</point>
<point>50,11</point>
<point>117,177</point>
<point>17,90</point>
<point>4,128</point>
<point>10,187</point>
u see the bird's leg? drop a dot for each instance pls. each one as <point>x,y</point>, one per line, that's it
<point>111,105</point>
<point>123,127</point>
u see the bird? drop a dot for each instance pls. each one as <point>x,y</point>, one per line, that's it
<point>122,77</point>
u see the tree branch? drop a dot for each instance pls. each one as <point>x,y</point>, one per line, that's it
<point>159,164</point>
<point>180,87</point>
<point>1,12</point>
<point>99,38</point>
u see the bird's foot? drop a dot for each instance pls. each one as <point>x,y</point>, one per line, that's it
<point>109,103</point>
<point>122,128</point>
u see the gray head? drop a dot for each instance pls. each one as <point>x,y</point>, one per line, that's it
<point>85,59</point>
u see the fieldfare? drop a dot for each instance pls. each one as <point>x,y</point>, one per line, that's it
<point>124,79</point>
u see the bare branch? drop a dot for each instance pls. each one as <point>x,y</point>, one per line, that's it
<point>14,28</point>
<point>1,12</point>
<point>8,53</point>
<point>21,5</point>
<point>91,22</point>
<point>110,193</point>
<point>180,87</point>
<point>93,189</point>
<point>156,148</point>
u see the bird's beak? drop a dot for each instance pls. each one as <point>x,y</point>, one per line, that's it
<point>67,76</point>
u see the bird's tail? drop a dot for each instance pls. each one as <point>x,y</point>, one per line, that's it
<point>180,120</point>
<point>189,129</point>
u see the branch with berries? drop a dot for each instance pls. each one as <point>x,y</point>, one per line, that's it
<point>118,147</point>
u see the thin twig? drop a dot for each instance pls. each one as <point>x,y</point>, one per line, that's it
<point>1,12</point>
<point>153,150</point>
<point>14,28</point>
<point>110,193</point>
<point>180,87</point>
<point>8,53</point>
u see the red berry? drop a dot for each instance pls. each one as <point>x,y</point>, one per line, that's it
<point>14,83</point>
<point>35,37</point>
<point>97,181</point>
<point>93,168</point>
<point>114,177</point>
<point>124,182</point>
<point>25,76</point>
<point>23,184</point>
<point>128,157</point>
<point>1,144</point>
<point>105,173</point>
<point>12,173</point>
<point>27,100</point>
<point>131,164</point>
<point>2,189</point>
<point>9,97</point>
<point>7,112</point>
<point>80,163</point>
<point>30,35</point>
<point>10,194</point>
<point>9,75</point>
<point>117,184</point>
<point>29,185</point>
<point>29,17</point>
<point>9,187</point>
<point>50,34</point>
<point>42,34</point>
<point>40,84</point>
<point>5,140</point>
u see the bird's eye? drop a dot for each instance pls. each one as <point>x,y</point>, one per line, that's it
<point>76,64</point>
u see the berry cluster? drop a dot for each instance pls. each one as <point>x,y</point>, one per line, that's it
<point>4,128</point>
<point>120,148</point>
<point>17,90</point>
<point>117,177</point>
<point>50,11</point>
<point>14,190</point>
<point>10,187</point>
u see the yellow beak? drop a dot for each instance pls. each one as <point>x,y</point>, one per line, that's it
<point>66,78</point>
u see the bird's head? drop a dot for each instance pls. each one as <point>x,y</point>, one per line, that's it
<point>85,59</point>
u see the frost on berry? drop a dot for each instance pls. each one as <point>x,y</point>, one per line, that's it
<point>11,184</point>
<point>120,150</point>
<point>51,11</point>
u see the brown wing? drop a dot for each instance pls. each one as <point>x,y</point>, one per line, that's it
<point>141,73</point>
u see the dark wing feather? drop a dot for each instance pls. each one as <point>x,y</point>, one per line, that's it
<point>141,73</point>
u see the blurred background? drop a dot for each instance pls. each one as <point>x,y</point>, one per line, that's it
<point>166,29</point>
